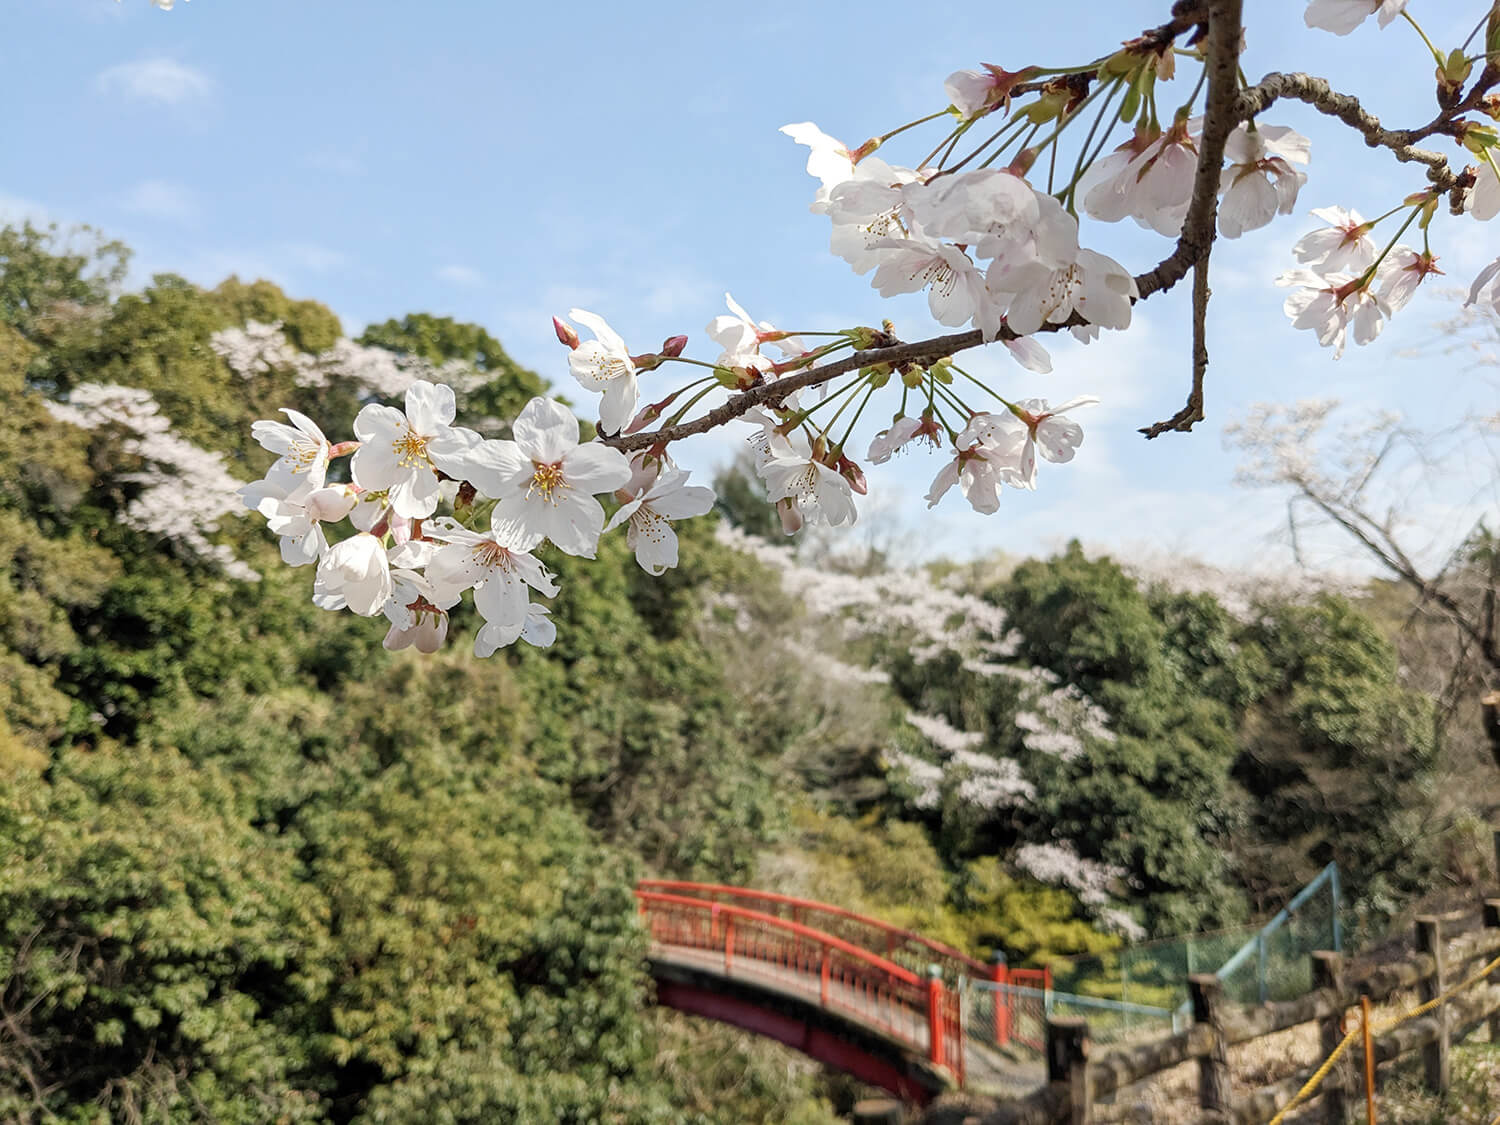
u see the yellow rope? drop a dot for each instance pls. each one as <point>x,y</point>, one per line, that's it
<point>1420,1010</point>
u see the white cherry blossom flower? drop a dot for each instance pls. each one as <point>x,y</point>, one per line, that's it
<point>828,160</point>
<point>501,571</point>
<point>1400,273</point>
<point>1343,16</point>
<point>301,449</point>
<point>956,292</point>
<point>741,337</point>
<point>416,622</point>
<point>545,480</point>
<point>537,629</point>
<point>1342,247</point>
<point>298,515</point>
<point>818,493</point>
<point>979,471</point>
<point>604,365</point>
<point>902,431</point>
<point>1096,287</point>
<point>970,91</point>
<point>973,208</point>
<point>1258,181</point>
<point>400,453</point>
<point>1483,200</point>
<point>355,573</point>
<point>1485,289</point>
<point>1033,425</point>
<point>660,493</point>
<point>1332,303</point>
<point>1153,187</point>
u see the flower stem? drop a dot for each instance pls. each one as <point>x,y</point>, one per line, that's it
<point>1407,16</point>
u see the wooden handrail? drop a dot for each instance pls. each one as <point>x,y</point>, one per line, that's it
<point>972,966</point>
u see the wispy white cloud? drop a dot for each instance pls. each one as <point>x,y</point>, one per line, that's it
<point>460,275</point>
<point>161,199</point>
<point>310,256</point>
<point>160,80</point>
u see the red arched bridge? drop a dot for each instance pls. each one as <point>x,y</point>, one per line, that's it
<point>887,1005</point>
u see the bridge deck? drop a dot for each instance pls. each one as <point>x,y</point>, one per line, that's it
<point>988,1068</point>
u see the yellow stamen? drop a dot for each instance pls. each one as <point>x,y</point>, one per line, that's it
<point>411,449</point>
<point>547,479</point>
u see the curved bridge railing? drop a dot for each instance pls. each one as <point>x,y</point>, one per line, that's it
<point>718,927</point>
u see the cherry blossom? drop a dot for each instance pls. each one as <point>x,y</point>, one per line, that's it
<point>604,365</point>
<point>499,569</point>
<point>1483,200</point>
<point>813,492</point>
<point>302,450</point>
<point>1400,274</point>
<point>545,480</point>
<point>1153,186</point>
<point>979,470</point>
<point>1029,426</point>
<point>1343,16</point>
<point>1484,289</point>
<point>1330,304</point>
<point>1095,287</point>
<point>1344,246</point>
<point>416,622</point>
<point>657,493</point>
<point>741,337</point>
<point>537,629</point>
<point>901,431</point>
<point>298,515</point>
<point>956,291</point>
<point>400,453</point>
<point>1259,182</point>
<point>355,573</point>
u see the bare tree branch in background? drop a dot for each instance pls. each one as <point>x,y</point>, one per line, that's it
<point>1386,485</point>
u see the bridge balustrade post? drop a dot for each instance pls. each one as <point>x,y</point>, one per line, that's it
<point>728,943</point>
<point>1000,973</point>
<point>935,1014</point>
<point>823,975</point>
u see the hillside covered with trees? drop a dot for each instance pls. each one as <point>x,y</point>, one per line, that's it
<point>257,867</point>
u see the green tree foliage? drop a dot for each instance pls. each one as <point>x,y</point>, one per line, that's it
<point>439,339</point>
<point>258,868</point>
<point>1339,756</point>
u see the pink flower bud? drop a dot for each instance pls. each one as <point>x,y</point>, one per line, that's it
<point>672,346</point>
<point>854,475</point>
<point>565,333</point>
<point>791,518</point>
<point>650,414</point>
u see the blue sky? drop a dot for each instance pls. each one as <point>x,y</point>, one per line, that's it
<point>501,163</point>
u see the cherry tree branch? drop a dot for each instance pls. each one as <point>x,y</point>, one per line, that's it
<point>1221,51</point>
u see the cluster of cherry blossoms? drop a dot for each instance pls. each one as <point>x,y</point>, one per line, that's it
<point>407,562</point>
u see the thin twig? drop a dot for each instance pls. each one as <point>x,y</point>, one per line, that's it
<point>1192,412</point>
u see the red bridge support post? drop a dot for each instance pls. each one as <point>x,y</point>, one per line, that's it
<point>999,973</point>
<point>935,1014</point>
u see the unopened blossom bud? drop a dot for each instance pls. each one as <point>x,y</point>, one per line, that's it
<point>672,346</point>
<point>463,503</point>
<point>791,518</point>
<point>342,448</point>
<point>864,150</point>
<point>650,414</point>
<point>565,333</point>
<point>648,362</point>
<point>853,474</point>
